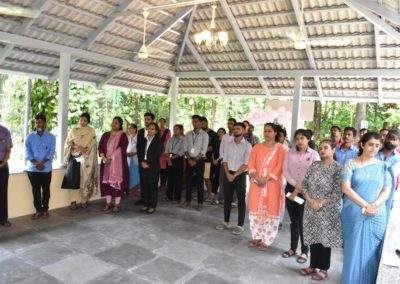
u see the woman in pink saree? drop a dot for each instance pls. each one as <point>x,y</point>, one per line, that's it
<point>114,173</point>
<point>266,197</point>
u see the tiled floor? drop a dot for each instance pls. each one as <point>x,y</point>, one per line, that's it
<point>172,246</point>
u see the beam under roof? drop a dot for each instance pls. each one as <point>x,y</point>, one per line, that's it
<point>185,36</point>
<point>80,53</point>
<point>381,10</point>
<point>282,73</point>
<point>310,56</point>
<point>200,60</point>
<point>243,43</point>
<point>374,19</point>
<point>26,24</point>
<point>94,36</point>
<point>156,36</point>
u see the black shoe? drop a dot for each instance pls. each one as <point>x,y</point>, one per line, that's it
<point>139,202</point>
<point>5,224</point>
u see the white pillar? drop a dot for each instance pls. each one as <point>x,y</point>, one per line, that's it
<point>27,108</point>
<point>298,89</point>
<point>174,89</point>
<point>65,65</point>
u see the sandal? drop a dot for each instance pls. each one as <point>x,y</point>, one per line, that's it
<point>106,208</point>
<point>151,210</point>
<point>116,209</point>
<point>254,243</point>
<point>85,205</point>
<point>36,216</point>
<point>262,247</point>
<point>73,206</point>
<point>307,271</point>
<point>320,275</point>
<point>288,253</point>
<point>302,258</point>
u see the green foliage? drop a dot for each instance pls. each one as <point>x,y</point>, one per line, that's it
<point>44,99</point>
<point>12,105</point>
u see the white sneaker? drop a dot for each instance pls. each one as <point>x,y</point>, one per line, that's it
<point>223,226</point>
<point>238,230</point>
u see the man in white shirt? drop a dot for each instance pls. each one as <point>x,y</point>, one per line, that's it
<point>225,139</point>
<point>235,157</point>
<point>196,149</point>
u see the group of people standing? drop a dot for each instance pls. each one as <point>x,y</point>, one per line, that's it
<point>338,196</point>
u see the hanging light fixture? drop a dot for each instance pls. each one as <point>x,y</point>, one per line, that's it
<point>210,38</point>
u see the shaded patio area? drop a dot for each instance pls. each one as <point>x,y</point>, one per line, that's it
<point>173,246</point>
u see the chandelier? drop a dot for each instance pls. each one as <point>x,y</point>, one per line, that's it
<point>210,38</point>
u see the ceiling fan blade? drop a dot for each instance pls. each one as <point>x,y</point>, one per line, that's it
<point>18,11</point>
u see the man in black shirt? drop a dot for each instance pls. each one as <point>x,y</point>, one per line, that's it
<point>209,167</point>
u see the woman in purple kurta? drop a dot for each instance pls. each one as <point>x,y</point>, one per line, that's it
<point>114,172</point>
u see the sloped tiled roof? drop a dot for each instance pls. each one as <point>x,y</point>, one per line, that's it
<point>263,24</point>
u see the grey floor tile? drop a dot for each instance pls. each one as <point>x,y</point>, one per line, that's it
<point>228,266</point>
<point>4,254</point>
<point>92,243</point>
<point>150,239</point>
<point>79,268</point>
<point>222,240</point>
<point>41,279</point>
<point>13,270</point>
<point>162,270</point>
<point>22,241</point>
<point>189,252</point>
<point>45,253</point>
<point>126,255</point>
<point>119,277</point>
<point>66,231</point>
<point>205,277</point>
<point>185,230</point>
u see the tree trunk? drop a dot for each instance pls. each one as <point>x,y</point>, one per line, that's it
<point>137,109</point>
<point>317,119</point>
<point>361,114</point>
<point>213,113</point>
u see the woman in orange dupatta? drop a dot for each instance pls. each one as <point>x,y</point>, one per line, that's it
<point>266,197</point>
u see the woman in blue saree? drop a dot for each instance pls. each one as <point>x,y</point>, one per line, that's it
<point>366,185</point>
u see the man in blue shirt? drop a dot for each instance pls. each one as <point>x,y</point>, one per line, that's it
<point>346,151</point>
<point>391,157</point>
<point>39,153</point>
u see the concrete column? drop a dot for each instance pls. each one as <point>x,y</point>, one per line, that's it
<point>298,89</point>
<point>65,65</point>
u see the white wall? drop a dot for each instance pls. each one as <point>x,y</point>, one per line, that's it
<point>20,200</point>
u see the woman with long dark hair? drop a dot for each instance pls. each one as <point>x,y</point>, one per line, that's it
<point>297,161</point>
<point>366,184</point>
<point>216,164</point>
<point>80,151</point>
<point>150,164</point>
<point>322,226</point>
<point>114,173</point>
<point>133,162</point>
<point>266,198</point>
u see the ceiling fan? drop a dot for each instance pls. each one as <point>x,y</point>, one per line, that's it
<point>145,51</point>
<point>301,42</point>
<point>18,11</point>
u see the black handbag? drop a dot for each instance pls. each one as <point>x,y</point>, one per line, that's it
<point>72,177</point>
